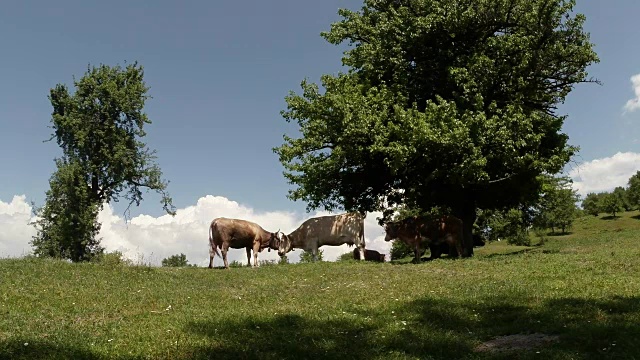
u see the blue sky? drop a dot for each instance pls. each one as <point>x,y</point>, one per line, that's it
<point>219,72</point>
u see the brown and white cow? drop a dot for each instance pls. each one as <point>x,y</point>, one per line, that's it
<point>369,255</point>
<point>414,230</point>
<point>332,230</point>
<point>227,233</point>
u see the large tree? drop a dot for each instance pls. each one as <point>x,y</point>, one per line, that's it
<point>100,129</point>
<point>446,103</point>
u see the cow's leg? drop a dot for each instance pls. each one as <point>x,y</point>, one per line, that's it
<point>458,244</point>
<point>256,250</point>
<point>210,261</point>
<point>225,248</point>
<point>362,250</point>
<point>417,252</point>
<point>249,255</point>
<point>436,250</point>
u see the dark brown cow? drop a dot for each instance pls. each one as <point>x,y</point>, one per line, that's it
<point>369,255</point>
<point>227,233</point>
<point>414,230</point>
<point>444,248</point>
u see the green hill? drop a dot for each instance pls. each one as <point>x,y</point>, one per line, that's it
<point>580,293</point>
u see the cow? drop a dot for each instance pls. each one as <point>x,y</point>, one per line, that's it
<point>414,230</point>
<point>227,233</point>
<point>333,230</point>
<point>444,248</point>
<point>369,255</point>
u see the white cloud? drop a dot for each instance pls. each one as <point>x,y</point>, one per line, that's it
<point>150,239</point>
<point>15,233</point>
<point>605,174</point>
<point>634,104</point>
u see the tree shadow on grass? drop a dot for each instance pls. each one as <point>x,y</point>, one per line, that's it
<point>431,328</point>
<point>610,217</point>
<point>637,217</point>
<point>295,337</point>
<point>38,349</point>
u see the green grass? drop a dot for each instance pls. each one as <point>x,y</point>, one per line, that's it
<point>583,287</point>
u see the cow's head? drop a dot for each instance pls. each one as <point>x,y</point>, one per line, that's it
<point>391,231</point>
<point>284,244</point>
<point>274,241</point>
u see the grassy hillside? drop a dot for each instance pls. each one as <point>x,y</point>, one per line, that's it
<point>583,288</point>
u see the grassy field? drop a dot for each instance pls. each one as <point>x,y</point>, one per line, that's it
<point>583,288</point>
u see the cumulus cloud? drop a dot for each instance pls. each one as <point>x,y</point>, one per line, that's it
<point>605,174</point>
<point>149,239</point>
<point>15,231</point>
<point>634,104</point>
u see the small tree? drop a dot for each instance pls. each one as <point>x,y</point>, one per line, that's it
<point>623,197</point>
<point>633,191</point>
<point>611,204</point>
<point>100,129</point>
<point>591,204</point>
<point>557,206</point>
<point>176,261</point>
<point>307,256</point>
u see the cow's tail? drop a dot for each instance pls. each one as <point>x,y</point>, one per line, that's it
<point>212,246</point>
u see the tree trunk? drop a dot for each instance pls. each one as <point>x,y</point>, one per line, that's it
<point>467,213</point>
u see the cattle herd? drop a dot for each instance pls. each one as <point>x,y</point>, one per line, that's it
<point>443,234</point>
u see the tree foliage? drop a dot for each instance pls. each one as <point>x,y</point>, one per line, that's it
<point>67,225</point>
<point>557,207</point>
<point>307,256</point>
<point>611,203</point>
<point>100,129</point>
<point>633,190</point>
<point>445,103</point>
<point>177,260</point>
<point>591,203</point>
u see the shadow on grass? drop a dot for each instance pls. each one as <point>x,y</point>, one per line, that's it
<point>554,234</point>
<point>35,349</point>
<point>512,253</point>
<point>637,217</point>
<point>431,328</point>
<point>610,217</point>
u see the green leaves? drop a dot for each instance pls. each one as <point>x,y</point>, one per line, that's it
<point>100,129</point>
<point>446,103</point>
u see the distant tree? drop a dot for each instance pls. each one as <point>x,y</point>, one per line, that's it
<point>633,191</point>
<point>510,225</point>
<point>176,261</point>
<point>100,129</point>
<point>449,103</point>
<point>623,197</point>
<point>591,204</point>
<point>307,256</point>
<point>611,204</point>
<point>557,206</point>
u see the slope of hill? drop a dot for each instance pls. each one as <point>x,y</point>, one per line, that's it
<point>581,292</point>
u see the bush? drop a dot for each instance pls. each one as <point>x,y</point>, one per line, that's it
<point>115,258</point>
<point>400,250</point>
<point>346,256</point>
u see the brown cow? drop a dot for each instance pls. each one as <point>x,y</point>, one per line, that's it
<point>227,233</point>
<point>333,230</point>
<point>413,230</point>
<point>369,255</point>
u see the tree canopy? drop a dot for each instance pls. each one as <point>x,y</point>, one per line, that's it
<point>100,129</point>
<point>445,103</point>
